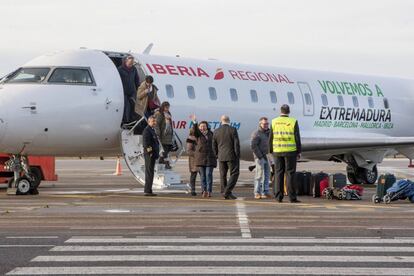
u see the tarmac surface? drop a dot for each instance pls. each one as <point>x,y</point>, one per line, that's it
<point>92,222</point>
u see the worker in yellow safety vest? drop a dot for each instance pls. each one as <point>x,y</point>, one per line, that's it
<point>285,144</point>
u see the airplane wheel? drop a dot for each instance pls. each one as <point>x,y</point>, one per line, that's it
<point>24,186</point>
<point>387,199</point>
<point>352,177</point>
<point>36,174</point>
<point>368,176</point>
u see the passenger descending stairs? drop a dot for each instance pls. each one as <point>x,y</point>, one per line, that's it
<point>132,148</point>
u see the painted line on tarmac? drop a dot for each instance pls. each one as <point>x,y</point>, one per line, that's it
<point>390,228</point>
<point>32,237</point>
<point>107,228</point>
<point>191,270</point>
<point>96,194</point>
<point>25,245</point>
<point>117,211</point>
<point>334,240</point>
<point>243,219</point>
<point>226,248</point>
<point>225,258</point>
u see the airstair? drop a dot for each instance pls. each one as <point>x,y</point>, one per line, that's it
<point>164,179</point>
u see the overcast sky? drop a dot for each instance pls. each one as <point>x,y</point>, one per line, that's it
<point>359,36</point>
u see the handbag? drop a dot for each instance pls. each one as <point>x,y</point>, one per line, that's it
<point>174,146</point>
<point>153,104</point>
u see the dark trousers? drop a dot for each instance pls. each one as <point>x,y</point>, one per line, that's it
<point>149,172</point>
<point>129,110</point>
<point>234,168</point>
<point>285,165</point>
<point>167,149</point>
<point>193,177</point>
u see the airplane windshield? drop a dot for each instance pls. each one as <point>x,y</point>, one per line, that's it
<point>28,75</point>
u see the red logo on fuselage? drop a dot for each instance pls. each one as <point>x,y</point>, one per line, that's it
<point>219,74</point>
<point>177,70</point>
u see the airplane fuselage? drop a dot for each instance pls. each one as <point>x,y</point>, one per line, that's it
<point>62,119</point>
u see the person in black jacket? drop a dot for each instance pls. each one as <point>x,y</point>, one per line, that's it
<point>204,157</point>
<point>226,146</point>
<point>151,154</point>
<point>130,83</point>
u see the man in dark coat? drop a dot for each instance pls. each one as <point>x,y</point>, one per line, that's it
<point>226,146</point>
<point>151,154</point>
<point>130,82</point>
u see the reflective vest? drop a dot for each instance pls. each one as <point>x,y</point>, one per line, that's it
<point>284,134</point>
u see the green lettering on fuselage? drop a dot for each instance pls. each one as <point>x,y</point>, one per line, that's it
<point>349,88</point>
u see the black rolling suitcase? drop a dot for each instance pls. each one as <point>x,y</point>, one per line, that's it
<point>316,181</point>
<point>337,180</point>
<point>385,181</point>
<point>302,183</point>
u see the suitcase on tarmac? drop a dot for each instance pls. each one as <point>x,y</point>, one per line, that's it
<point>302,183</point>
<point>324,184</point>
<point>316,183</point>
<point>385,181</point>
<point>337,180</point>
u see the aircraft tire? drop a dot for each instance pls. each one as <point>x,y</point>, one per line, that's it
<point>36,174</point>
<point>24,186</point>
<point>352,177</point>
<point>368,176</point>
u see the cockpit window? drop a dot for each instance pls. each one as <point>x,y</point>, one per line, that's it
<point>71,76</point>
<point>28,75</point>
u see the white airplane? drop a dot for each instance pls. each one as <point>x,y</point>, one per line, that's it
<point>70,103</point>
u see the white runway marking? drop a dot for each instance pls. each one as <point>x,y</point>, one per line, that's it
<point>238,240</point>
<point>239,248</point>
<point>116,211</point>
<point>33,237</point>
<point>243,219</point>
<point>225,258</point>
<point>181,270</point>
<point>175,255</point>
<point>25,245</point>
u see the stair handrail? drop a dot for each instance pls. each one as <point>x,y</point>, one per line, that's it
<point>136,124</point>
<point>181,150</point>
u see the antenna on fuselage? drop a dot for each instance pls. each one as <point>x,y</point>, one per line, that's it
<point>148,49</point>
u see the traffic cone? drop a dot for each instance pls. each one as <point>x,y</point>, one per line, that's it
<point>118,170</point>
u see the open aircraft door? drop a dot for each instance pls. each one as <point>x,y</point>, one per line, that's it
<point>307,97</point>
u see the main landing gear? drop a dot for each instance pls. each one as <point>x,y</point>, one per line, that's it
<point>26,179</point>
<point>357,175</point>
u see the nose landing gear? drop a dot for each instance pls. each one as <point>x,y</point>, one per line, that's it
<point>24,181</point>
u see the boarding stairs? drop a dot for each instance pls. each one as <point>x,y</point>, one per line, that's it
<point>132,148</point>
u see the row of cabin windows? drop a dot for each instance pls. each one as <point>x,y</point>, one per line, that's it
<point>273,98</point>
<point>233,94</point>
<point>355,101</point>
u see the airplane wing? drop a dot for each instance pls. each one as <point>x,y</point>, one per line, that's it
<point>372,148</point>
<point>318,144</point>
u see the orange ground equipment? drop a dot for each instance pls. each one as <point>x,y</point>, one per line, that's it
<point>41,166</point>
